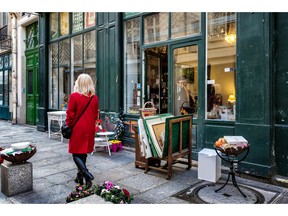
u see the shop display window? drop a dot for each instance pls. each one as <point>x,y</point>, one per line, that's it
<point>221,66</point>
<point>132,66</point>
<point>186,80</point>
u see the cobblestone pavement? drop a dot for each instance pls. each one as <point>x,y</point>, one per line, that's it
<point>54,171</point>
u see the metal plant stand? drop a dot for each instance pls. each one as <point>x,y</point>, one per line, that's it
<point>231,159</point>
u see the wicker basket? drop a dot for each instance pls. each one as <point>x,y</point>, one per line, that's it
<point>20,158</point>
<point>148,111</point>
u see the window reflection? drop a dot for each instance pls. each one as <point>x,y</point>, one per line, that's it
<point>64,23</point>
<point>184,24</point>
<point>132,66</point>
<point>53,25</point>
<point>186,80</point>
<point>221,66</point>
<point>156,27</point>
<point>53,74</point>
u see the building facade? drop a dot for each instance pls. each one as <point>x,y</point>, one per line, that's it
<point>227,69</point>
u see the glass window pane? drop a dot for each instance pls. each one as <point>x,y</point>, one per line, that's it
<point>132,66</point>
<point>54,25</point>
<point>64,23</point>
<point>1,63</point>
<point>53,74</point>
<point>186,80</point>
<point>6,61</point>
<point>77,21</point>
<point>221,91</point>
<point>90,54</point>
<point>1,87</point>
<point>183,24</point>
<point>32,36</point>
<point>156,27</point>
<point>77,54</point>
<point>6,90</point>
<point>64,73</point>
<point>89,19</point>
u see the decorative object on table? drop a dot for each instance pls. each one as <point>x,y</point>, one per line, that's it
<point>18,156</point>
<point>148,111</point>
<point>119,127</point>
<point>98,126</point>
<point>66,130</point>
<point>116,145</point>
<point>107,190</point>
<point>113,193</point>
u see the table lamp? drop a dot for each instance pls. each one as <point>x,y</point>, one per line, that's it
<point>231,100</point>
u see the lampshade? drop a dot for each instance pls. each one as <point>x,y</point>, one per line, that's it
<point>231,98</point>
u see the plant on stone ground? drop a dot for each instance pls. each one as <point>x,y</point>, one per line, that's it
<point>113,193</point>
<point>80,192</point>
<point>107,190</point>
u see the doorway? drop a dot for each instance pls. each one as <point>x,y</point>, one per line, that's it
<point>156,74</point>
<point>31,88</point>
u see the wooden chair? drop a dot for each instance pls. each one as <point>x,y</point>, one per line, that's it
<point>178,144</point>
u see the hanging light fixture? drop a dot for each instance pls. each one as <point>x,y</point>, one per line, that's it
<point>230,37</point>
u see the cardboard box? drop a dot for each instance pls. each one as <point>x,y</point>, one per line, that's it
<point>209,165</point>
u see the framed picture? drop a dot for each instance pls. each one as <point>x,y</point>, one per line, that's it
<point>189,74</point>
<point>155,129</point>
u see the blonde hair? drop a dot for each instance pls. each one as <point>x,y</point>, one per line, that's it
<point>84,85</point>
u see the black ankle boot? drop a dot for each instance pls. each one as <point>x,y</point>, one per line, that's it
<point>84,171</point>
<point>88,178</point>
<point>79,179</point>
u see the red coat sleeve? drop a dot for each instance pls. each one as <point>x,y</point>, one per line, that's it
<point>71,110</point>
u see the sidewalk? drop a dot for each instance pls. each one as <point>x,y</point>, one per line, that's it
<point>54,172</point>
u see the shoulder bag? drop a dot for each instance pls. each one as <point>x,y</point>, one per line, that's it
<point>66,131</point>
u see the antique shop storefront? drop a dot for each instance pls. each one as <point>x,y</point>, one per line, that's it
<point>221,67</point>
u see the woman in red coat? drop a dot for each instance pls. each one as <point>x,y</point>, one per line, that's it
<point>82,139</point>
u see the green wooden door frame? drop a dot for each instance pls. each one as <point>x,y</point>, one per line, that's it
<point>198,123</point>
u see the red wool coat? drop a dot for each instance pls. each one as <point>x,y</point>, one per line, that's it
<point>82,138</point>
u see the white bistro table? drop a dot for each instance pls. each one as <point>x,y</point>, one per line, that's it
<point>58,116</point>
<point>103,140</point>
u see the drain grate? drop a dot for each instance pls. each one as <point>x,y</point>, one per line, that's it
<point>204,193</point>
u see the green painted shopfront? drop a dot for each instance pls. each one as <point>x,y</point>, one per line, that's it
<point>229,70</point>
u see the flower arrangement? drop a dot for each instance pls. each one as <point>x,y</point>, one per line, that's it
<point>107,190</point>
<point>113,193</point>
<point>80,192</point>
<point>98,126</point>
